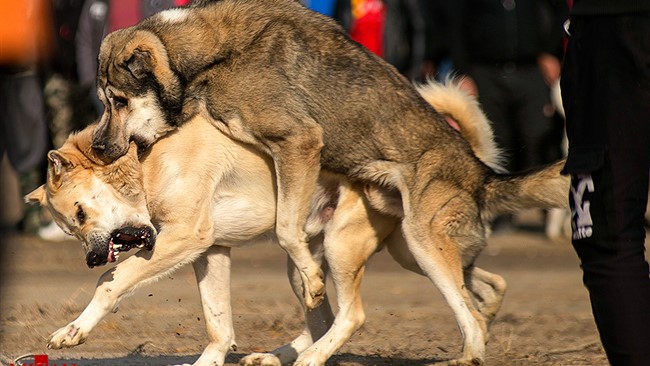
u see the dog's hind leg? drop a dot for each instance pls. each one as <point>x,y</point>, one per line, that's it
<point>353,237</point>
<point>317,321</point>
<point>487,290</point>
<point>212,272</point>
<point>174,248</point>
<point>437,243</point>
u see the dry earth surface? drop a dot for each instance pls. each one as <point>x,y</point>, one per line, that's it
<point>545,319</point>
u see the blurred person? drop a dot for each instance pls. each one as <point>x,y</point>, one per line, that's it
<point>100,17</point>
<point>392,29</point>
<point>25,46</point>
<point>508,51</point>
<point>606,98</point>
<point>439,37</point>
<point>507,54</point>
<point>69,107</point>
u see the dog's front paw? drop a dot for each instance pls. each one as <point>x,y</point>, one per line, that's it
<point>260,359</point>
<point>462,362</point>
<point>311,357</point>
<point>68,336</point>
<point>314,290</point>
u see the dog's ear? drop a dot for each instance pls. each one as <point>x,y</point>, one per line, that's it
<point>58,165</point>
<point>139,64</point>
<point>143,55</point>
<point>37,196</point>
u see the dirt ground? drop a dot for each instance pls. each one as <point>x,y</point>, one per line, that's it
<point>545,319</point>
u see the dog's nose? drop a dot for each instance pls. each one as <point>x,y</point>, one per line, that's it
<point>99,146</point>
<point>107,152</point>
<point>149,238</point>
<point>100,142</point>
<point>94,259</point>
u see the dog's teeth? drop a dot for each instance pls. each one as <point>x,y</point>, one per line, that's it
<point>117,246</point>
<point>118,235</point>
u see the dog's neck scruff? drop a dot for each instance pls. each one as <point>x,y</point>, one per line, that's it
<point>123,174</point>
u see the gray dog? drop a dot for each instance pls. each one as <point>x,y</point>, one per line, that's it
<point>291,83</point>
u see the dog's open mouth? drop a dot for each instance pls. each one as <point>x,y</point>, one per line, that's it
<point>127,238</point>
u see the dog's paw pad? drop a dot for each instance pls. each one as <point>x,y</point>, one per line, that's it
<point>260,359</point>
<point>314,293</point>
<point>68,336</point>
<point>314,299</point>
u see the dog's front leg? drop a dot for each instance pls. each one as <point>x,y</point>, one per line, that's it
<point>297,165</point>
<point>171,252</point>
<point>212,272</point>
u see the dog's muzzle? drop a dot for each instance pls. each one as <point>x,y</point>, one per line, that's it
<point>108,153</point>
<point>107,249</point>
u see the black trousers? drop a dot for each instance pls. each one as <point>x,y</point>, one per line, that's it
<point>606,94</point>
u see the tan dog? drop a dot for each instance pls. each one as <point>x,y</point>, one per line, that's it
<point>207,193</point>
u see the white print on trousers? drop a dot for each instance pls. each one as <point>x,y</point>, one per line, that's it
<point>582,223</point>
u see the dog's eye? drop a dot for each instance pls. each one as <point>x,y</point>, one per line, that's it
<point>120,102</point>
<point>81,215</point>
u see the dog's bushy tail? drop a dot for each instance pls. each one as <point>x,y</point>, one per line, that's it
<point>543,187</point>
<point>504,193</point>
<point>449,99</point>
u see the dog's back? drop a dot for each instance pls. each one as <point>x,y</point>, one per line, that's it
<point>281,51</point>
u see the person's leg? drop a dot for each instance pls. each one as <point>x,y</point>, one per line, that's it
<point>606,91</point>
<point>26,139</point>
<point>615,272</point>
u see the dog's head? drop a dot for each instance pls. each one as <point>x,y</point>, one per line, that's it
<point>140,92</point>
<point>103,205</point>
